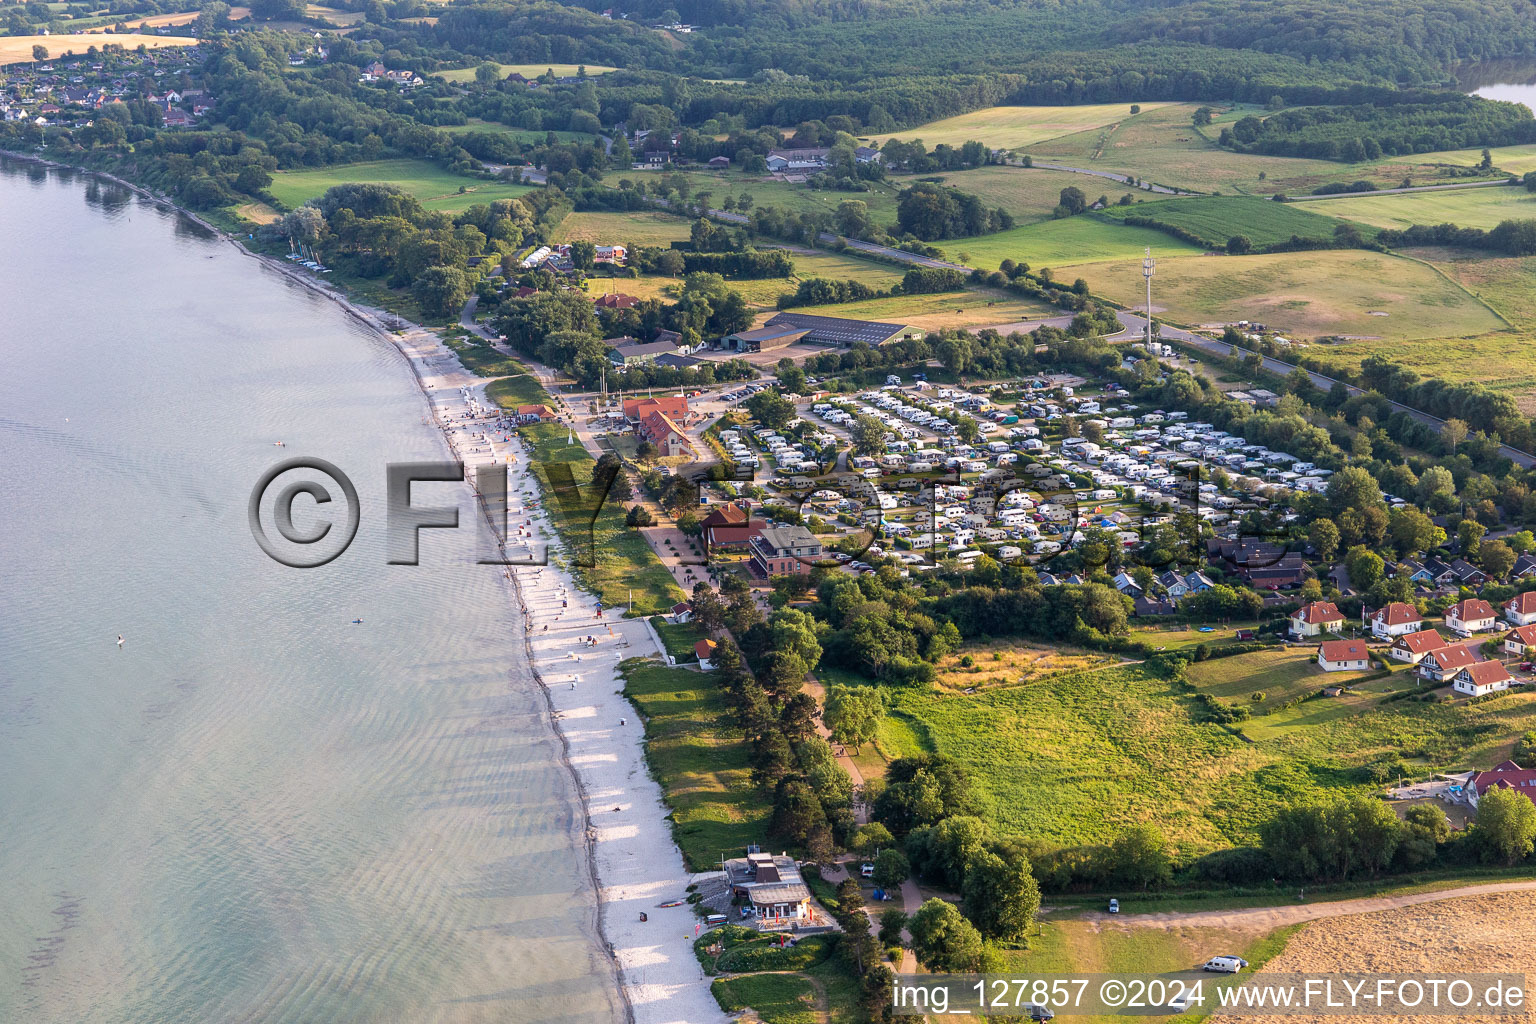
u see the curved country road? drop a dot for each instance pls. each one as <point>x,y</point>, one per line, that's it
<point>1278,917</point>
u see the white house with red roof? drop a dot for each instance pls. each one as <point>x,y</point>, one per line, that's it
<point>1520,640</point>
<point>1441,665</point>
<point>705,649</point>
<point>1482,679</point>
<point>1343,656</point>
<point>1411,647</point>
<point>1312,619</point>
<point>1474,615</point>
<point>1395,619</point>
<point>1504,775</point>
<point>1520,610</point>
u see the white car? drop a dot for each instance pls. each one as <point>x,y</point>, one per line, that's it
<point>867,870</point>
<point>1224,964</point>
<point>1114,906</point>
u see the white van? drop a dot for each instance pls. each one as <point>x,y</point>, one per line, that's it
<point>1223,965</point>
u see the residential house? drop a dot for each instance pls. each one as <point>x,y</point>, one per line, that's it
<point>867,154</point>
<point>1440,666</point>
<point>1343,656</point>
<point>1520,640</point>
<point>680,613</point>
<point>614,254</point>
<point>663,432</point>
<point>636,410</point>
<point>615,300</point>
<point>705,650</point>
<point>729,527</point>
<point>535,414</point>
<point>1395,619</point>
<point>1474,615</point>
<point>797,160</point>
<point>1504,775</point>
<point>1314,618</point>
<point>783,551</point>
<point>1411,647</point>
<point>1525,566</point>
<point>1127,586</point>
<point>1520,610</point>
<point>1440,573</point>
<point>719,163</point>
<point>1467,574</point>
<point>772,886</point>
<point>1481,679</point>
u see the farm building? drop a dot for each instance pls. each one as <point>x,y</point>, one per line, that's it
<point>836,330</point>
<point>763,339</point>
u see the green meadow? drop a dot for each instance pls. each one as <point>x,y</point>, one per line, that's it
<point>436,188</point>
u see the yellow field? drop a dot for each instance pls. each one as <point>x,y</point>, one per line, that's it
<point>258,213</point>
<point>154,21</point>
<point>638,228</point>
<point>526,70</point>
<point>334,15</point>
<point>1012,127</point>
<point>18,49</point>
<point>1303,295</point>
<point>971,308</point>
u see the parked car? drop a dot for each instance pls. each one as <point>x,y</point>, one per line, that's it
<point>866,870</point>
<point>1114,906</point>
<point>1039,1011</point>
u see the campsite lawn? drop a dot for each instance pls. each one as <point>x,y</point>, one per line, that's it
<point>1218,218</point>
<point>1012,127</point>
<point>700,761</point>
<point>1072,240</point>
<point>526,70</point>
<point>1302,294</point>
<point>436,188</point>
<point>1467,208</point>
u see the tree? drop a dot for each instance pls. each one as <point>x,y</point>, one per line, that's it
<point>1202,117</point>
<point>1469,535</point>
<point>1001,896</point>
<point>1365,567</point>
<point>1239,244</point>
<point>441,291</point>
<point>1074,200</point>
<point>891,869</point>
<point>868,435</point>
<point>1454,431</point>
<point>853,714</point>
<point>771,409</point>
<point>1506,825</point>
<point>1496,557</point>
<point>872,838</point>
<point>892,922</point>
<point>1140,855</point>
<point>638,516</point>
<point>921,790</point>
<point>1412,531</point>
<point>39,52</point>
<point>943,939</point>
<point>487,74</point>
<point>1324,536</point>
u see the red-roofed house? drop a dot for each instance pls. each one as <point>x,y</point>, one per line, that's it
<point>1442,665</point>
<point>1474,615</point>
<point>1520,610</point>
<point>666,435</point>
<point>705,649</point>
<point>1482,679</point>
<point>1411,647</point>
<point>730,526</point>
<point>1395,619</point>
<point>1520,640</point>
<point>1504,775</point>
<point>1312,619</point>
<point>535,413</point>
<point>637,409</point>
<point>615,300</point>
<point>1343,656</point>
<point>680,613</point>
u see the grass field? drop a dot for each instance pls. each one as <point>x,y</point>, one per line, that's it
<point>520,134</point>
<point>759,294</point>
<point>1304,294</point>
<point>1467,208</point>
<point>638,227</point>
<point>526,70</point>
<point>1012,127</point>
<point>970,308</point>
<point>436,188</point>
<point>1005,663</point>
<point>18,49</point>
<point>1281,674</point>
<point>334,15</point>
<point>1162,145</point>
<point>158,20</point>
<point>1031,193</point>
<point>1072,240</point>
<point>611,561</point>
<point>881,199</point>
<point>1218,218</point>
<point>701,762</point>
<point>1513,159</point>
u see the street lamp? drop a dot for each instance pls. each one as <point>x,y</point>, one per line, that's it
<point>1147,265</point>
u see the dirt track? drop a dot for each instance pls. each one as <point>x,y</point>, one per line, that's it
<point>1267,918</point>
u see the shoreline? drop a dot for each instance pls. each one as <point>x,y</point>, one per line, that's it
<point>597,765</point>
